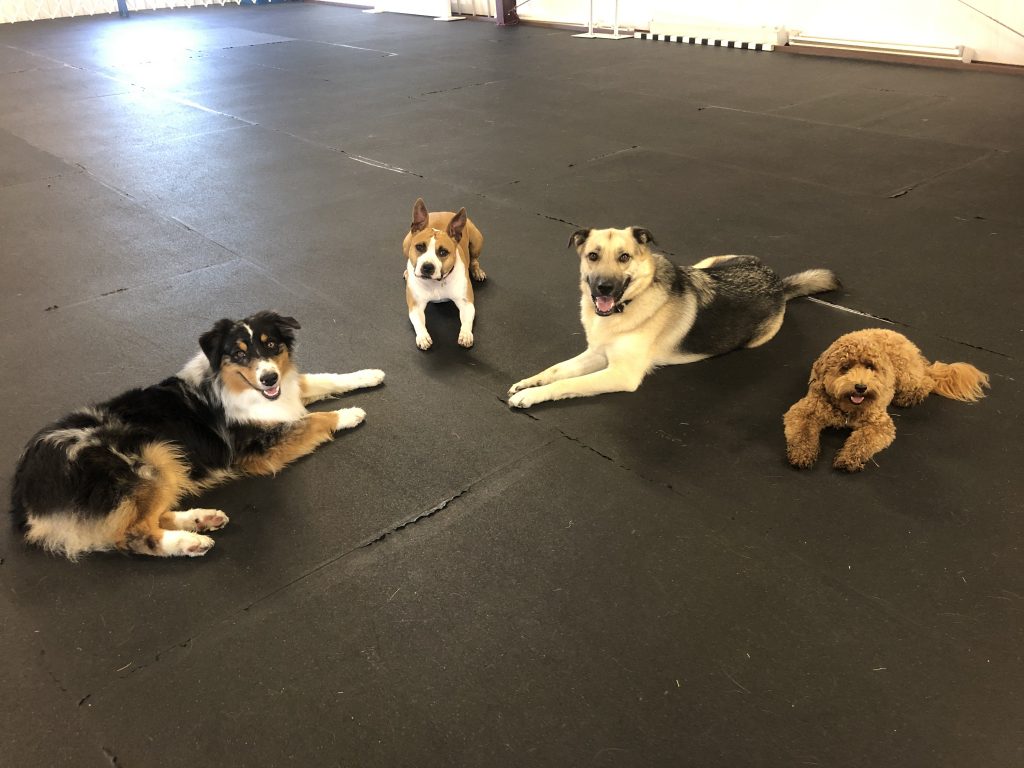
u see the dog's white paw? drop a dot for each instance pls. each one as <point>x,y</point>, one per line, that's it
<point>349,417</point>
<point>368,377</point>
<point>185,544</point>
<point>466,339</point>
<point>201,519</point>
<point>423,341</point>
<point>523,399</point>
<point>521,385</point>
<point>477,272</point>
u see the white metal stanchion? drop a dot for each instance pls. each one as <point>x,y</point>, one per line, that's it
<point>590,33</point>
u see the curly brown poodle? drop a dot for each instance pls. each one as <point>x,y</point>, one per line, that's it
<point>852,383</point>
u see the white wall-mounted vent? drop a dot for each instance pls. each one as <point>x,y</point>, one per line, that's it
<point>954,53</point>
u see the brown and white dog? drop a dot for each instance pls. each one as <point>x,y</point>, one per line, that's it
<point>442,252</point>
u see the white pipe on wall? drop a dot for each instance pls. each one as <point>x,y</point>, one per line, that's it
<point>919,22</point>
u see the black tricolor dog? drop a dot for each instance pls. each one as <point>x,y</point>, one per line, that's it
<point>111,476</point>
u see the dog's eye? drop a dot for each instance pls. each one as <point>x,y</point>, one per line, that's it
<point>844,367</point>
<point>869,366</point>
<point>592,256</point>
<point>624,257</point>
<point>271,345</point>
<point>239,356</point>
<point>421,247</point>
<point>442,252</point>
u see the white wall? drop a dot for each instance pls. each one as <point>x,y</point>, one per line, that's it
<point>936,22</point>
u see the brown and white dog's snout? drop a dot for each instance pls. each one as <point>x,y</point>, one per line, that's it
<point>428,264</point>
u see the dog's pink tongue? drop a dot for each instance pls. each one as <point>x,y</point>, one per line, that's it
<point>604,303</point>
<point>272,392</point>
<point>856,399</point>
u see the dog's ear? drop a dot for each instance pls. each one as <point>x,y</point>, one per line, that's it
<point>212,342</point>
<point>457,225</point>
<point>419,215</point>
<point>643,236</point>
<point>818,370</point>
<point>284,321</point>
<point>578,238</point>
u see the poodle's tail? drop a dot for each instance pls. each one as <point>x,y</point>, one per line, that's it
<point>809,281</point>
<point>958,381</point>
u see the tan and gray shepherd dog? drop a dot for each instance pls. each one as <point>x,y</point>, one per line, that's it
<point>852,383</point>
<point>641,311</point>
<point>442,252</point>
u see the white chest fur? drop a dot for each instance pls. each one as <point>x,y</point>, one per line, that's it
<point>252,406</point>
<point>453,286</point>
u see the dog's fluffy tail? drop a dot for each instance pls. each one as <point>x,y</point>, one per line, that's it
<point>809,281</point>
<point>958,381</point>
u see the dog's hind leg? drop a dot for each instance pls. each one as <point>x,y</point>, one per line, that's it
<point>163,480</point>
<point>144,535</point>
<point>582,364</point>
<point>864,442</point>
<point>298,439</point>
<point>767,330</point>
<point>912,393</point>
<point>320,386</point>
<point>476,245</point>
<point>199,520</point>
<point>710,261</point>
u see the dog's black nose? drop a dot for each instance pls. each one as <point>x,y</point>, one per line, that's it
<point>427,269</point>
<point>861,388</point>
<point>605,289</point>
<point>268,379</point>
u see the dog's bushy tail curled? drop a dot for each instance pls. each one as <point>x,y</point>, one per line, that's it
<point>958,381</point>
<point>809,281</point>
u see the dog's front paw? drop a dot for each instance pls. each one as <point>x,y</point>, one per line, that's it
<point>423,341</point>
<point>349,417</point>
<point>846,463</point>
<point>801,458</point>
<point>521,385</point>
<point>466,339</point>
<point>524,398</point>
<point>477,272</point>
<point>368,377</point>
